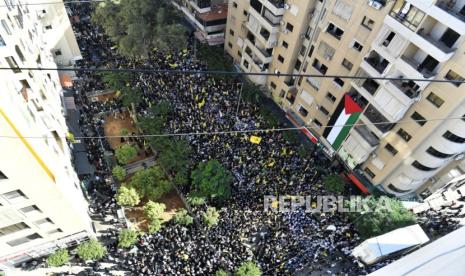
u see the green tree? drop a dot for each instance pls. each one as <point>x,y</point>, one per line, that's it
<point>154,210</point>
<point>117,80</point>
<point>124,132</point>
<point>175,156</point>
<point>150,183</point>
<point>155,226</point>
<point>334,183</point>
<point>59,258</point>
<point>127,238</point>
<point>221,272</point>
<point>138,26</point>
<point>119,173</point>
<point>91,250</point>
<point>125,153</point>
<point>211,216</point>
<point>212,180</point>
<point>182,217</point>
<point>377,216</point>
<point>130,97</point>
<point>195,200</point>
<point>248,269</point>
<point>127,196</point>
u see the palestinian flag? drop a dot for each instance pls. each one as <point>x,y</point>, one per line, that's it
<point>347,113</point>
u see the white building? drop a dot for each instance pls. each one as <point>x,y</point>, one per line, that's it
<point>41,204</point>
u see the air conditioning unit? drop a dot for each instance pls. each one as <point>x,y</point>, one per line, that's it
<point>287,6</point>
<point>285,31</point>
<point>282,23</point>
<point>375,4</point>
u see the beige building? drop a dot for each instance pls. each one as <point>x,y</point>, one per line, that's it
<point>42,207</point>
<point>207,17</point>
<point>415,39</point>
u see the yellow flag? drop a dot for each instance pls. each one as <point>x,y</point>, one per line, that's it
<point>168,56</point>
<point>255,139</point>
<point>274,204</point>
<point>184,51</point>
<point>173,65</point>
<point>70,137</point>
<point>271,164</point>
<point>118,93</point>
<point>202,103</point>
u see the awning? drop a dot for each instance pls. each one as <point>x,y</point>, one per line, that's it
<point>357,183</point>
<point>66,81</point>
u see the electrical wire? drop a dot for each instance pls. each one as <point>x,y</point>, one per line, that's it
<point>53,3</point>
<point>206,72</point>
<point>226,132</point>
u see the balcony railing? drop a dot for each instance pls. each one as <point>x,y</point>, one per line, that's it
<point>278,3</point>
<point>377,64</point>
<point>409,88</point>
<point>439,44</point>
<point>449,6</point>
<point>422,70</point>
<point>378,119</point>
<point>367,135</point>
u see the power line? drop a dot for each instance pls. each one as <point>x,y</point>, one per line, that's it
<point>220,72</point>
<point>226,132</point>
<point>53,3</point>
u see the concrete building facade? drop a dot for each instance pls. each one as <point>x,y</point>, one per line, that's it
<point>398,143</point>
<point>42,206</point>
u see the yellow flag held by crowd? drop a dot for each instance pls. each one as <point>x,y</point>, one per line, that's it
<point>173,65</point>
<point>255,139</point>
<point>202,103</point>
<point>70,137</point>
<point>118,93</point>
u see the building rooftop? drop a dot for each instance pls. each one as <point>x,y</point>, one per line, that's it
<point>219,11</point>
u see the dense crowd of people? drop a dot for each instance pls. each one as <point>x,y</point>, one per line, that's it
<point>278,243</point>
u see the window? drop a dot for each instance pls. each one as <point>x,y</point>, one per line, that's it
<point>2,41</point>
<point>357,46</point>
<point>285,44</point>
<point>404,134</point>
<point>282,93</point>
<point>24,240</point>
<point>239,53</point>
<point>5,27</point>
<point>368,23</point>
<point>230,45</point>
<point>407,14</point>
<point>13,65</point>
<point>324,110</point>
<point>13,228</point>
<point>320,66</point>
<point>48,27</point>
<point>310,53</point>
<point>273,85</point>
<point>334,31</point>
<point>289,27</point>
<point>2,176</point>
<point>280,58</point>
<point>347,64</point>
<point>303,111</point>
<point>15,196</point>
<point>453,138</point>
<point>44,222</point>
<point>246,64</point>
<point>317,123</point>
<point>388,39</point>
<point>435,100</point>
<point>451,75</point>
<point>54,231</point>
<point>418,118</point>
<point>369,173</point>
<point>231,32</point>
<point>330,97</point>
<point>391,149</point>
<point>422,167</point>
<point>30,210</point>
<point>234,5</point>
<point>339,82</point>
<point>397,190</point>
<point>434,152</point>
<point>298,63</point>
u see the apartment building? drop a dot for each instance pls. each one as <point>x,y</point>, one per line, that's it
<point>398,144</point>
<point>207,17</point>
<point>42,207</point>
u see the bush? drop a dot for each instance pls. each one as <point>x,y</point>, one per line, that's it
<point>196,200</point>
<point>334,183</point>
<point>211,216</point>
<point>125,154</point>
<point>127,238</point>
<point>248,269</point>
<point>155,226</point>
<point>221,272</point>
<point>379,215</point>
<point>127,196</point>
<point>182,217</point>
<point>91,250</point>
<point>59,258</point>
<point>212,180</point>
<point>119,173</point>
<point>154,210</point>
<point>150,183</point>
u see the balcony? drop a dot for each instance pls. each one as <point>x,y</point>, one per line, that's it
<point>378,119</point>
<point>256,53</point>
<point>408,88</point>
<point>367,135</point>
<point>377,62</point>
<point>419,67</point>
<point>453,8</point>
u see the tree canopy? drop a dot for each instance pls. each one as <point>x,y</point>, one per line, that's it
<point>212,180</point>
<point>334,183</point>
<point>182,217</point>
<point>119,173</point>
<point>127,238</point>
<point>211,216</point>
<point>127,196</point>
<point>248,269</point>
<point>379,215</point>
<point>138,26</point>
<point>91,250</point>
<point>150,183</point>
<point>125,153</point>
<point>59,258</point>
<point>154,210</point>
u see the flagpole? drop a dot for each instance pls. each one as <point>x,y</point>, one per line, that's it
<point>239,101</point>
